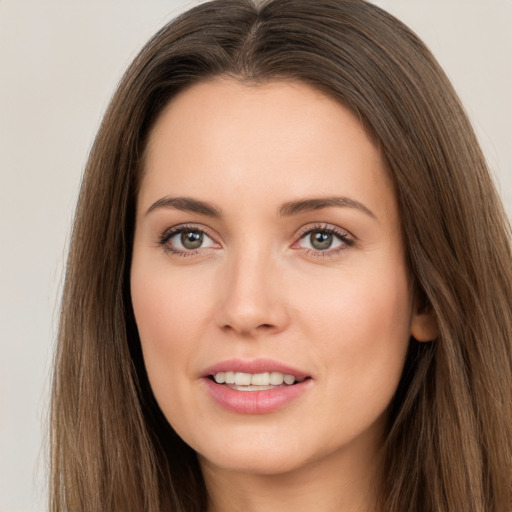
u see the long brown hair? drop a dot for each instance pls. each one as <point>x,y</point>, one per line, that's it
<point>450,433</point>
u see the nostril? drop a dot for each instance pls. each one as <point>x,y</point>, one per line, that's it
<point>247,330</point>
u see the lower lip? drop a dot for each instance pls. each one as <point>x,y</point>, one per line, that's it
<point>255,402</point>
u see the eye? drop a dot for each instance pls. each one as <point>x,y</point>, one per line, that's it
<point>186,240</point>
<point>189,239</point>
<point>324,239</point>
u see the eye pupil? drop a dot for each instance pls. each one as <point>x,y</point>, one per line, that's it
<point>191,239</point>
<point>321,240</point>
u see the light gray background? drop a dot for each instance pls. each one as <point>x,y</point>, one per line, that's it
<point>59,64</point>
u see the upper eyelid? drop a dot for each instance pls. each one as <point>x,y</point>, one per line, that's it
<point>324,227</point>
<point>301,231</point>
<point>187,227</point>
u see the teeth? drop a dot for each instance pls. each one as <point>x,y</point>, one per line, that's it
<point>260,379</point>
<point>220,377</point>
<point>255,379</point>
<point>289,379</point>
<point>276,378</point>
<point>242,379</point>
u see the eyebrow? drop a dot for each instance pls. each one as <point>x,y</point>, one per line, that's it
<point>304,205</point>
<point>187,204</point>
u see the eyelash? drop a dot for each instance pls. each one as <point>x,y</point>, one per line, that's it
<point>343,236</point>
<point>170,233</point>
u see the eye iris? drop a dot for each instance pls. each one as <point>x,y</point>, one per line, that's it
<point>321,240</point>
<point>191,239</point>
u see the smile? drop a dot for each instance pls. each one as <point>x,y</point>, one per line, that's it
<point>241,381</point>
<point>260,386</point>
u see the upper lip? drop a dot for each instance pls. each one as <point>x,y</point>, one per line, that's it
<point>254,366</point>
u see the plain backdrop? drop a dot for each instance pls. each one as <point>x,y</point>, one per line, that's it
<point>59,64</point>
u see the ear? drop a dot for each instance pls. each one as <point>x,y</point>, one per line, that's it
<point>424,322</point>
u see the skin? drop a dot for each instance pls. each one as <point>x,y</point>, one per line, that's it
<point>259,288</point>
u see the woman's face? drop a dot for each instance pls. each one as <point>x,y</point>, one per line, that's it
<point>268,247</point>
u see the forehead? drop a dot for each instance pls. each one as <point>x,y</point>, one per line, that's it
<point>230,139</point>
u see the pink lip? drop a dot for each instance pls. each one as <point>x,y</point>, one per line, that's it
<point>254,402</point>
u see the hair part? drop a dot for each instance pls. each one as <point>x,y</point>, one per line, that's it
<point>450,433</point>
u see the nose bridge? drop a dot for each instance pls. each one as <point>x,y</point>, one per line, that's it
<point>250,300</point>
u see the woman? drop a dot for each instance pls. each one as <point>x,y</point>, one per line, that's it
<point>290,279</point>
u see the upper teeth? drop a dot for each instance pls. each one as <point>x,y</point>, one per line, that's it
<point>254,379</point>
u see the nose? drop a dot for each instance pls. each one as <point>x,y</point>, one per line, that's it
<point>252,296</point>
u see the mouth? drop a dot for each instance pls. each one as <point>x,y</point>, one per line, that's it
<point>241,381</point>
<point>258,386</point>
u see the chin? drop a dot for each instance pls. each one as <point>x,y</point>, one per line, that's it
<point>261,456</point>
<point>257,462</point>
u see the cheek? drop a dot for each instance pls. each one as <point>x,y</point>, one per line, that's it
<point>169,311</point>
<point>378,298</point>
<point>166,302</point>
<point>360,325</point>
